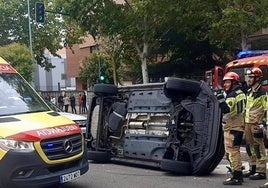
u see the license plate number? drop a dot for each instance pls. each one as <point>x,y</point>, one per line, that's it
<point>68,177</point>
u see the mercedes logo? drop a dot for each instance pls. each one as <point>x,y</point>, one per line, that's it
<point>68,146</point>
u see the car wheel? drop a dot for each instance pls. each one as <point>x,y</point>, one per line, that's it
<point>177,87</point>
<point>98,156</point>
<point>180,167</point>
<point>104,89</point>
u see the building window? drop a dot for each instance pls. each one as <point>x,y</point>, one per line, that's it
<point>63,76</point>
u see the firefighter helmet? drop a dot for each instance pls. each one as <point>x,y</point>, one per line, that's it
<point>256,72</point>
<point>231,76</point>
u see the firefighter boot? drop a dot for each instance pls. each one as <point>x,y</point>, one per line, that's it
<point>264,185</point>
<point>250,172</point>
<point>230,173</point>
<point>258,176</point>
<point>236,179</point>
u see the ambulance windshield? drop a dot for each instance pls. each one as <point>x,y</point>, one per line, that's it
<point>17,97</point>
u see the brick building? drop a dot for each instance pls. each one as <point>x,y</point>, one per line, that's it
<point>73,58</point>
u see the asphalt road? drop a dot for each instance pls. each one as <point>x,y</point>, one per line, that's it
<point>122,176</point>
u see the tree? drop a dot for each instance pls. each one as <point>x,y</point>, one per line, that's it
<point>223,25</point>
<point>236,21</point>
<point>15,28</point>
<point>20,58</point>
<point>148,26</point>
<point>134,24</point>
<point>91,66</point>
<point>112,48</point>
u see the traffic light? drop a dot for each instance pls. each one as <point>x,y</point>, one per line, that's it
<point>102,75</point>
<point>101,78</point>
<point>39,12</point>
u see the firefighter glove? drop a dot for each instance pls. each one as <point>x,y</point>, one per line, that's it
<point>262,125</point>
<point>220,97</point>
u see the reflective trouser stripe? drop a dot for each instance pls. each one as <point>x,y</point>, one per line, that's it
<point>260,158</point>
<point>232,151</point>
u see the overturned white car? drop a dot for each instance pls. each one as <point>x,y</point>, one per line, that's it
<point>174,125</point>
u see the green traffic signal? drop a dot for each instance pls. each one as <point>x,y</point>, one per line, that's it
<point>101,78</point>
<point>101,75</point>
<point>39,12</point>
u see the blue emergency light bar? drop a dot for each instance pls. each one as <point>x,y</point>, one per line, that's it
<point>251,53</point>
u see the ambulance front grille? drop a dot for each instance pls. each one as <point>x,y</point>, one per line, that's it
<point>62,147</point>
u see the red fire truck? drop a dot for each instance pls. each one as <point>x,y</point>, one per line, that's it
<point>240,66</point>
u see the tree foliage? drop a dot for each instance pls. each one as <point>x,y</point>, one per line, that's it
<point>236,21</point>
<point>15,28</point>
<point>186,33</point>
<point>146,28</point>
<point>20,58</point>
<point>134,24</point>
<point>90,69</point>
<point>112,47</point>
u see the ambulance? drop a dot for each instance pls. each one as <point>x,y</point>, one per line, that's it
<point>38,146</point>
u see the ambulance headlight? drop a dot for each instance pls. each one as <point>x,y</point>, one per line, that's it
<point>7,144</point>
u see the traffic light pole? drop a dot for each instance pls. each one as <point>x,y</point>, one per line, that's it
<point>99,64</point>
<point>30,30</point>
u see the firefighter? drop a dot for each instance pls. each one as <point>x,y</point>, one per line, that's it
<point>256,105</point>
<point>233,125</point>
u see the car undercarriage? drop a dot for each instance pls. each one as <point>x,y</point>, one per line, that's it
<point>175,125</point>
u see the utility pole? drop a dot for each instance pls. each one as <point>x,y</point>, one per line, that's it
<point>30,41</point>
<point>30,30</point>
<point>99,63</point>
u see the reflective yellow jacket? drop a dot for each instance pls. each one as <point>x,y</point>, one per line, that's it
<point>234,119</point>
<point>256,106</point>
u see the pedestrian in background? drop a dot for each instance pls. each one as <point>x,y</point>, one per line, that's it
<point>47,98</point>
<point>53,100</point>
<point>60,102</point>
<point>84,104</point>
<point>233,106</point>
<point>66,102</point>
<point>72,101</point>
<point>254,132</point>
<point>80,102</point>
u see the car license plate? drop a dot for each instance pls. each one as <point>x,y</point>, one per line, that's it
<point>68,177</point>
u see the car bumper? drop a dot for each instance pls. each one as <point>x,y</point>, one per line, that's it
<point>27,169</point>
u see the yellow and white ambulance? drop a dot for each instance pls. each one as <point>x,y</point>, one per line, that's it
<point>38,147</point>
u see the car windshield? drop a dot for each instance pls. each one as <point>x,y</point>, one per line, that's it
<point>17,97</point>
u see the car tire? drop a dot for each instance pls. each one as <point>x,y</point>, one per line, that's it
<point>178,87</point>
<point>98,156</point>
<point>104,89</point>
<point>179,167</point>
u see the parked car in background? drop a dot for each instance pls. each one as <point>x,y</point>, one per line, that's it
<point>79,119</point>
<point>175,125</point>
